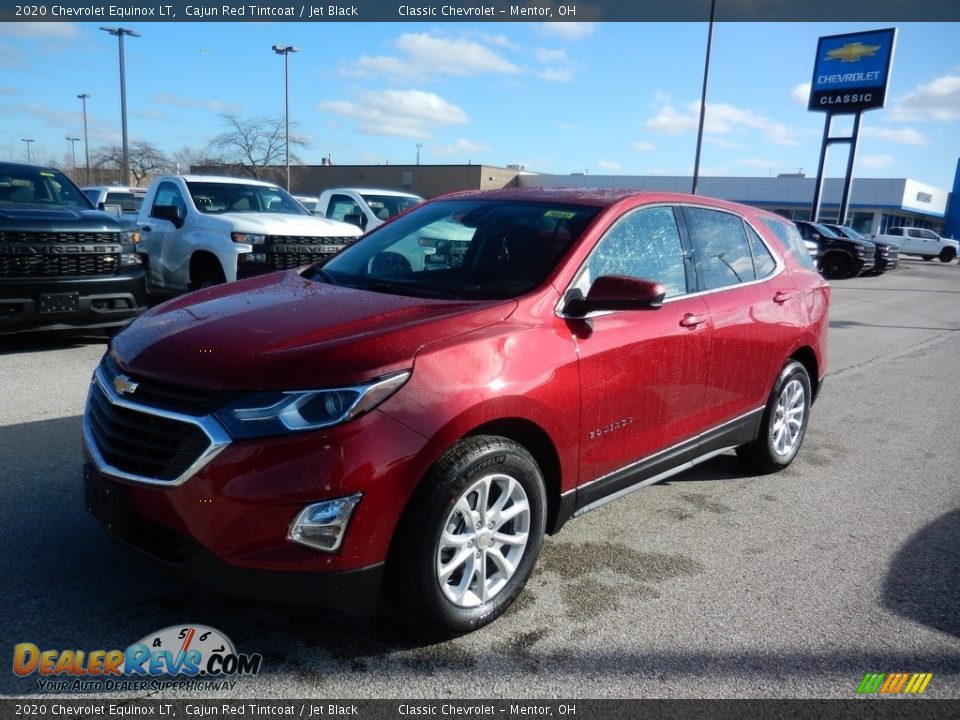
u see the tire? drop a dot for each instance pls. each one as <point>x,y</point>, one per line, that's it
<point>455,520</point>
<point>947,254</point>
<point>206,274</point>
<point>837,266</point>
<point>928,258</point>
<point>784,422</point>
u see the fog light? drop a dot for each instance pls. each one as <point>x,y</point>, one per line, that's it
<point>322,525</point>
<point>130,259</point>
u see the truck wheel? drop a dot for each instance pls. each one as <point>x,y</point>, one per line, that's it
<point>206,273</point>
<point>470,537</point>
<point>784,421</point>
<point>947,254</point>
<point>837,266</point>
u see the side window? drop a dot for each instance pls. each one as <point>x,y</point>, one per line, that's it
<point>169,194</point>
<point>341,206</point>
<point>643,244</point>
<point>763,262</point>
<point>789,237</point>
<point>720,248</point>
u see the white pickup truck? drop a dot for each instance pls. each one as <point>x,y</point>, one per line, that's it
<point>199,230</point>
<point>920,241</point>
<point>364,207</point>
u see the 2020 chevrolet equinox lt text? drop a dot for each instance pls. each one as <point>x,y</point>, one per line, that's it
<point>411,416</point>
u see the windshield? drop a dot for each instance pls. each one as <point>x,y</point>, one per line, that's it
<point>850,233</point>
<point>214,197</point>
<point>39,187</point>
<point>479,249</point>
<point>386,206</point>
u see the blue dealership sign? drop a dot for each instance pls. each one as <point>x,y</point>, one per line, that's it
<point>851,71</point>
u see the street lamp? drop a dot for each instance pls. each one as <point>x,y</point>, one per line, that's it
<point>73,151</point>
<point>86,145</point>
<point>119,33</point>
<point>419,145</point>
<point>285,50</point>
<point>27,141</point>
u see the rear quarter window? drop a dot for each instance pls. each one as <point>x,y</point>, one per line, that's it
<point>789,237</point>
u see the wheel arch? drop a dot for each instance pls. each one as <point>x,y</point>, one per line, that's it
<point>204,259</point>
<point>806,357</point>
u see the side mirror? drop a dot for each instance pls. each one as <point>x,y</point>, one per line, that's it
<point>617,292</point>
<point>168,212</point>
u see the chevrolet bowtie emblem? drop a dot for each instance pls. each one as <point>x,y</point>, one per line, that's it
<point>852,52</point>
<point>124,385</point>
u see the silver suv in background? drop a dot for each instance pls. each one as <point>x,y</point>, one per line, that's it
<point>127,199</point>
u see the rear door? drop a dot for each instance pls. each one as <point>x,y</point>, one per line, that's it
<point>754,307</point>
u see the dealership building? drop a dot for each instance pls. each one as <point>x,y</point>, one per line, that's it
<point>876,204</point>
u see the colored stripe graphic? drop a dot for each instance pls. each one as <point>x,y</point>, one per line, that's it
<point>894,683</point>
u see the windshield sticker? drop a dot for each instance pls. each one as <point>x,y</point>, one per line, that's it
<point>560,214</point>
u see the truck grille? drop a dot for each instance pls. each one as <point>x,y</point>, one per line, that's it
<point>285,252</point>
<point>27,266</point>
<point>13,236</point>
<point>143,444</point>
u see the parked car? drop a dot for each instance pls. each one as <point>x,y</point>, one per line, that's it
<point>364,207</point>
<point>126,200</point>
<point>920,241</point>
<point>838,257</point>
<point>361,425</point>
<point>64,265</point>
<point>886,255</point>
<point>201,230</point>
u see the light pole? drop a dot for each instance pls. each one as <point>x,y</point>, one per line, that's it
<point>86,145</point>
<point>419,145</point>
<point>73,151</point>
<point>28,141</point>
<point>285,50</point>
<point>119,33</point>
<point>703,98</point>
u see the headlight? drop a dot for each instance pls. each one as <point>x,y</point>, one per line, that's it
<point>131,236</point>
<point>248,239</point>
<point>263,414</point>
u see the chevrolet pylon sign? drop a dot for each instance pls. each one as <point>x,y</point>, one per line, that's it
<point>851,71</point>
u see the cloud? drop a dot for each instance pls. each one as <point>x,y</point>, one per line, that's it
<point>423,55</point>
<point>549,55</point>
<point>801,93</point>
<point>193,103</point>
<point>721,119</point>
<point>403,113</point>
<point>643,146</point>
<point>874,161</point>
<point>609,165</point>
<point>725,144</point>
<point>560,75</point>
<point>39,30</point>
<point>566,30</point>
<point>936,100</point>
<point>559,67</point>
<point>906,136</point>
<point>461,147</point>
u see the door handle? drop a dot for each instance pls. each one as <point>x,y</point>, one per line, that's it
<point>689,320</point>
<point>782,296</point>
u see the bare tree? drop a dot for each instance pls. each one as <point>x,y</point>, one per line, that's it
<point>145,160</point>
<point>186,158</point>
<point>255,144</point>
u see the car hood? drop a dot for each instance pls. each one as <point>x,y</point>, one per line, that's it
<point>284,332</point>
<point>62,219</point>
<point>281,224</point>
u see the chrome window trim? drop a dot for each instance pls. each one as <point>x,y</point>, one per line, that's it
<point>216,434</point>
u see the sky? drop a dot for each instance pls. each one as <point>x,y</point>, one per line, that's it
<point>601,98</point>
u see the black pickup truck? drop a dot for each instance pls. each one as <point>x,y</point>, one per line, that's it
<point>64,265</point>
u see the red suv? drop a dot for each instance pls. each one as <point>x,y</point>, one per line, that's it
<point>415,413</point>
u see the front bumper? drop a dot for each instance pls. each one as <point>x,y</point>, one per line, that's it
<point>355,591</point>
<point>82,303</point>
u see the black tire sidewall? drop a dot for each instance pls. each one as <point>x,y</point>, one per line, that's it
<point>791,371</point>
<point>467,462</point>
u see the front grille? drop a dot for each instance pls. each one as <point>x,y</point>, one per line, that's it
<point>26,266</point>
<point>143,444</point>
<point>286,252</point>
<point>168,396</point>
<point>14,236</point>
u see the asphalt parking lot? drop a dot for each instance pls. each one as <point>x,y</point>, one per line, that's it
<point>716,583</point>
